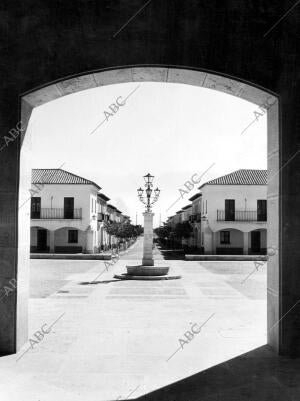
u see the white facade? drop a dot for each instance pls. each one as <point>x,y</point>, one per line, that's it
<point>53,219</point>
<point>195,220</point>
<point>229,215</point>
<point>103,237</point>
<point>214,220</point>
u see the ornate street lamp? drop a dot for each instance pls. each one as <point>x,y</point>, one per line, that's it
<point>148,178</point>
<point>147,270</point>
<point>148,200</point>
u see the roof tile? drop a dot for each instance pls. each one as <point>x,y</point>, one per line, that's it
<point>57,176</point>
<point>241,177</point>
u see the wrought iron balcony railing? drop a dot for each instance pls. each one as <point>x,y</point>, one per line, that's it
<point>57,213</point>
<point>241,215</point>
<point>195,218</point>
<point>103,217</point>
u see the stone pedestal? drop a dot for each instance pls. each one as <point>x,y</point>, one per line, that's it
<point>148,240</point>
<point>147,270</point>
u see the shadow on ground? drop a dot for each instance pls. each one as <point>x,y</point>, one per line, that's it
<point>258,375</point>
<point>172,254</point>
<point>99,282</point>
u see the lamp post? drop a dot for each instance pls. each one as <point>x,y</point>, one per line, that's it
<point>148,200</point>
<point>147,270</point>
<point>151,196</point>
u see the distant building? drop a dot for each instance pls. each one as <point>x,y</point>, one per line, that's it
<point>186,213</point>
<point>103,216</point>
<point>195,220</point>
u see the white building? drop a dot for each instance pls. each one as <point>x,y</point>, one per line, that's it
<point>234,213</point>
<point>195,220</point>
<point>103,216</point>
<point>66,213</point>
<point>186,213</point>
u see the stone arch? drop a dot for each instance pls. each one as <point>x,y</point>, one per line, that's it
<point>262,245</point>
<point>236,241</point>
<point>34,242</point>
<point>168,74</point>
<point>60,241</point>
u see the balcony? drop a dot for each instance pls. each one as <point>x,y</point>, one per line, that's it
<point>103,217</point>
<point>100,216</point>
<point>57,214</point>
<point>195,218</point>
<point>241,215</point>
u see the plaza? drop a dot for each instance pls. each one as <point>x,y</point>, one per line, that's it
<point>114,337</point>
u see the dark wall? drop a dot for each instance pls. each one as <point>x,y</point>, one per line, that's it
<point>47,40</point>
<point>42,41</point>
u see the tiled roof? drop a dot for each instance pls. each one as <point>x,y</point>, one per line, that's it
<point>57,176</point>
<point>195,196</point>
<point>241,177</point>
<point>112,207</point>
<point>187,207</point>
<point>102,196</point>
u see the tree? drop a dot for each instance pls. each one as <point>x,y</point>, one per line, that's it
<point>183,230</point>
<point>163,232</point>
<point>122,230</point>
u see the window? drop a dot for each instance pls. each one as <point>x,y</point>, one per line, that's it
<point>261,210</point>
<point>229,209</point>
<point>73,236</point>
<point>68,208</point>
<point>35,208</point>
<point>225,237</point>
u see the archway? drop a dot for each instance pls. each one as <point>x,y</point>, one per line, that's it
<point>39,239</point>
<point>63,243</point>
<point>268,101</point>
<point>257,242</point>
<point>229,241</point>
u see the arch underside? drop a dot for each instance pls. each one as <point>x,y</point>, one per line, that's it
<point>197,78</point>
<point>229,85</point>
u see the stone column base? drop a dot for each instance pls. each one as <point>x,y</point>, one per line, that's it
<point>141,270</point>
<point>147,262</point>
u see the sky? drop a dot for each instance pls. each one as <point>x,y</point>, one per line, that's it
<point>172,131</point>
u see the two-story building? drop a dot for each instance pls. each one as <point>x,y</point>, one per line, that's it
<point>63,212</point>
<point>234,213</point>
<point>103,216</point>
<point>113,218</point>
<point>186,213</point>
<point>68,214</point>
<point>195,220</point>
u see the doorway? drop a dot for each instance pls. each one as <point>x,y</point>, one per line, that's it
<point>41,239</point>
<point>255,242</point>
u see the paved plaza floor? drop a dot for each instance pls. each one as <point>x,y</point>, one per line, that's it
<point>107,339</point>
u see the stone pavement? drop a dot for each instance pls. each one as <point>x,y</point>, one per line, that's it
<point>116,339</point>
